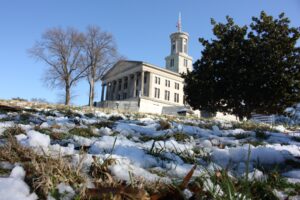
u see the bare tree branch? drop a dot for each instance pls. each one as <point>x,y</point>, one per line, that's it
<point>61,50</point>
<point>99,55</point>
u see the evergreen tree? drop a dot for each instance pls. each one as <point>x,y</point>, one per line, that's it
<point>247,69</point>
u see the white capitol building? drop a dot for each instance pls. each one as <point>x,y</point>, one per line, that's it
<point>142,87</point>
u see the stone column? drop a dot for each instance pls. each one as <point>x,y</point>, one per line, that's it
<point>107,92</point>
<point>150,89</point>
<point>128,86</point>
<point>142,83</point>
<point>102,93</point>
<point>123,87</point>
<point>117,89</point>
<point>134,84</point>
<point>113,92</point>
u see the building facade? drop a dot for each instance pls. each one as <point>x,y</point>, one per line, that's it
<point>143,87</point>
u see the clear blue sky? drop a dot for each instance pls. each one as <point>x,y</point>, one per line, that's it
<point>141,29</point>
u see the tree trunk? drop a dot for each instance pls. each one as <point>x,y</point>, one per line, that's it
<point>68,96</point>
<point>92,93</point>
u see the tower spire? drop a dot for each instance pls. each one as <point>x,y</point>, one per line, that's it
<point>179,23</point>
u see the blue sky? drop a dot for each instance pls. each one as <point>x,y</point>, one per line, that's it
<point>141,29</point>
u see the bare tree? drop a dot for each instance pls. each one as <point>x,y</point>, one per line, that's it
<point>61,51</point>
<point>100,55</point>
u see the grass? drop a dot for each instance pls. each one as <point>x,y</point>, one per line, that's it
<point>4,172</point>
<point>53,135</point>
<point>180,137</point>
<point>89,115</point>
<point>240,136</point>
<point>5,119</point>
<point>261,135</point>
<point>250,126</point>
<point>104,124</point>
<point>24,118</point>
<point>164,125</point>
<point>146,138</point>
<point>43,173</point>
<point>220,185</point>
<point>12,131</point>
<point>295,138</point>
<point>84,132</point>
<point>115,118</point>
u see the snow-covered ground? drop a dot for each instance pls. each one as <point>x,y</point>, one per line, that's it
<point>142,148</point>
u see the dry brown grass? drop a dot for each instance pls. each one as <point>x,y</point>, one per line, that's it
<point>43,173</point>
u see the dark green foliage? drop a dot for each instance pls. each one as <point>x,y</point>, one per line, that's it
<point>247,69</point>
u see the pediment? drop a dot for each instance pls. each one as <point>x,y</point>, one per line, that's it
<point>121,67</point>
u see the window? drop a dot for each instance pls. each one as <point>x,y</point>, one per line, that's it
<point>145,79</point>
<point>156,92</point>
<point>176,97</point>
<point>167,95</point>
<point>172,62</point>
<point>124,95</point>
<point>157,80</point>
<point>167,83</point>
<point>177,86</point>
<point>173,46</point>
<point>185,45</point>
<point>185,62</point>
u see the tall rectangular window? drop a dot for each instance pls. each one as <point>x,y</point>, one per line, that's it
<point>167,95</point>
<point>177,86</point>
<point>173,46</point>
<point>157,80</point>
<point>172,62</point>
<point>185,45</point>
<point>185,62</point>
<point>167,83</point>
<point>156,92</point>
<point>176,97</point>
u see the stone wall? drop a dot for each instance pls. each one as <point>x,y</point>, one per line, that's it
<point>130,105</point>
